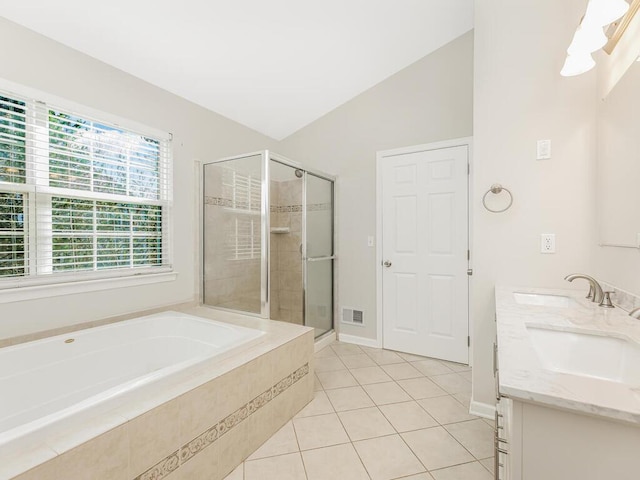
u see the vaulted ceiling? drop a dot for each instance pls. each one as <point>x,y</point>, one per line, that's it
<point>274,66</point>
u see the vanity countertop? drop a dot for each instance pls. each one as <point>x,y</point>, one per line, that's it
<point>522,374</point>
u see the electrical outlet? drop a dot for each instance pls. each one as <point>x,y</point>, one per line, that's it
<point>548,243</point>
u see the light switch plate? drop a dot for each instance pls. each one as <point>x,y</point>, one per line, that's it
<point>543,150</point>
<point>370,241</point>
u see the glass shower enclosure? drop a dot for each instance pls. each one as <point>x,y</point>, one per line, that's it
<point>268,239</point>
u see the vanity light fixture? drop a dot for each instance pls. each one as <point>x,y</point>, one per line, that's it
<point>590,36</point>
<point>604,12</point>
<point>577,64</point>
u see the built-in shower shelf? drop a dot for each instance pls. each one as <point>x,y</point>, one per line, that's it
<point>280,230</point>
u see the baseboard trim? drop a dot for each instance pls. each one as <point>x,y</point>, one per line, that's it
<point>324,341</point>
<point>365,342</point>
<point>484,410</point>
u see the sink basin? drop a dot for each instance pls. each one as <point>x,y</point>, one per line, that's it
<point>587,354</point>
<point>544,300</point>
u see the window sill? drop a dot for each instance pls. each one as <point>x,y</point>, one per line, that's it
<point>18,294</point>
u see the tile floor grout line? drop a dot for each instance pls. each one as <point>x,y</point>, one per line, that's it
<point>414,453</point>
<point>304,466</point>
<point>487,468</point>
<point>454,465</point>
<point>295,434</point>
<point>459,443</point>
<point>399,434</point>
<point>353,446</point>
<point>361,461</point>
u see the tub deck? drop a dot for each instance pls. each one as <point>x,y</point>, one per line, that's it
<point>186,388</point>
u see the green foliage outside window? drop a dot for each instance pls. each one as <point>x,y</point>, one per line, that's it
<point>81,156</point>
<point>12,238</point>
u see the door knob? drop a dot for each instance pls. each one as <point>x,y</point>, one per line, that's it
<point>387,263</point>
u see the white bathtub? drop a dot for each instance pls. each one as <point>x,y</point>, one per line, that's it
<point>45,381</point>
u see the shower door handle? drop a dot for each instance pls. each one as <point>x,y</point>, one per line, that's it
<point>320,259</point>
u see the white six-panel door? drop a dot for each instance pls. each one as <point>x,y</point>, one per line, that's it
<point>424,253</point>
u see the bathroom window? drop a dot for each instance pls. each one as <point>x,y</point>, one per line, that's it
<point>245,193</point>
<point>80,198</point>
<point>244,241</point>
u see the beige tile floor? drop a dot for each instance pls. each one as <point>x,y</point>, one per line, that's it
<point>379,415</point>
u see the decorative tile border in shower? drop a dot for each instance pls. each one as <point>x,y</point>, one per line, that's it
<point>285,208</point>
<point>621,298</point>
<point>227,202</point>
<point>312,207</point>
<point>202,441</point>
<point>223,202</point>
<point>316,207</point>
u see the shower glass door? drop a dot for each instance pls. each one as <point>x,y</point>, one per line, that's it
<point>234,247</point>
<point>319,254</point>
<point>285,243</point>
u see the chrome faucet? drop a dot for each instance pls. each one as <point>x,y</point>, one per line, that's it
<point>595,292</point>
<point>635,313</point>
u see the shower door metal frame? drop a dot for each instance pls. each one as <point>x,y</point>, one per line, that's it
<point>305,259</point>
<point>265,231</point>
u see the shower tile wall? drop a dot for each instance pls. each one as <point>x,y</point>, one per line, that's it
<point>286,257</point>
<point>231,282</point>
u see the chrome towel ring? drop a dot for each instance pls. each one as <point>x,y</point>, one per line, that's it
<point>496,189</point>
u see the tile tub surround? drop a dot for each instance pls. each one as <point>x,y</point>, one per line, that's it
<point>147,428</point>
<point>346,434</point>
<point>522,375</point>
<point>286,258</point>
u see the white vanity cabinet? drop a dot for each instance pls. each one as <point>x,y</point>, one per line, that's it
<point>565,413</point>
<point>544,443</point>
<point>507,441</point>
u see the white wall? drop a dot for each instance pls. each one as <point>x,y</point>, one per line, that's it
<point>428,101</point>
<point>519,97</point>
<point>199,134</point>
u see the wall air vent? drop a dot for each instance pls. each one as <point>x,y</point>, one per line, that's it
<point>352,316</point>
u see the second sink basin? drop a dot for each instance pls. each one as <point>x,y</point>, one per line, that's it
<point>587,354</point>
<point>544,300</point>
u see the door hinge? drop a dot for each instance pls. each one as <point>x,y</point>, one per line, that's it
<point>470,271</point>
<point>468,341</point>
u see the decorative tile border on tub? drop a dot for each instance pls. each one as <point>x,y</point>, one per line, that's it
<point>202,441</point>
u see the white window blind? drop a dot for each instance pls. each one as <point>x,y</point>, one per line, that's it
<point>244,237</point>
<point>79,197</point>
